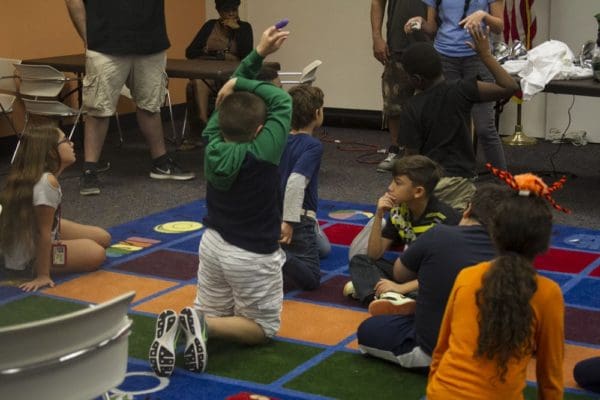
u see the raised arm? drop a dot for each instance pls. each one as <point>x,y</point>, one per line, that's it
<point>77,13</point>
<point>377,244</point>
<point>494,19</point>
<point>505,85</point>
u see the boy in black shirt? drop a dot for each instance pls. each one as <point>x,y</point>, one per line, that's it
<point>436,121</point>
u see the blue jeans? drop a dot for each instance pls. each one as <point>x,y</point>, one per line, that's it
<point>483,113</point>
<point>302,268</point>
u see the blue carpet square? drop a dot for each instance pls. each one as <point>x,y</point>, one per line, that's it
<point>586,293</point>
<point>337,259</point>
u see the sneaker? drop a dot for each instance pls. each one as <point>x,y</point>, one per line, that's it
<point>388,162</point>
<point>89,183</point>
<point>349,291</point>
<point>391,303</point>
<point>194,327</point>
<point>162,349</point>
<point>170,170</point>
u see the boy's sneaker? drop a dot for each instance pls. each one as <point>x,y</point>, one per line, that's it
<point>391,303</point>
<point>170,170</point>
<point>89,183</point>
<point>194,327</point>
<point>387,164</point>
<point>162,349</point>
<point>349,291</point>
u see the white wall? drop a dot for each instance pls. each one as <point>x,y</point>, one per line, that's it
<point>573,22</point>
<point>338,33</point>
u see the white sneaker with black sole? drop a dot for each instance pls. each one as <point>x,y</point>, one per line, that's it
<point>387,164</point>
<point>194,327</point>
<point>170,170</point>
<point>162,349</point>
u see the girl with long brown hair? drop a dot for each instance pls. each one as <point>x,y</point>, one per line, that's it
<point>34,240</point>
<point>501,313</point>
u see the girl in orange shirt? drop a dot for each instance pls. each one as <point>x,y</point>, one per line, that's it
<point>501,313</point>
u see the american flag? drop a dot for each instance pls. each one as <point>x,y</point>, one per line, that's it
<point>519,21</point>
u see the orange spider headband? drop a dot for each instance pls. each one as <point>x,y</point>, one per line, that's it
<point>527,184</point>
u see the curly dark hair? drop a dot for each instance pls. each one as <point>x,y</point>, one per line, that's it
<point>520,229</point>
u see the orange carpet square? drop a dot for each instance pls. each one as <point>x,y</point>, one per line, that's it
<point>100,286</point>
<point>175,300</point>
<point>318,324</point>
<point>573,354</point>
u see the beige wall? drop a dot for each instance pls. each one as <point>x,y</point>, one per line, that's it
<point>42,28</point>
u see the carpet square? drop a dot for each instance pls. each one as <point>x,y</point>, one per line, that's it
<point>561,279</point>
<point>100,286</point>
<point>586,293</point>
<point>342,233</point>
<point>573,354</point>
<point>351,376</point>
<point>190,245</point>
<point>35,308</point>
<point>330,292</point>
<point>8,291</point>
<point>596,273</point>
<point>576,238</point>
<point>164,264</point>
<point>337,259</point>
<point>577,325</point>
<point>318,324</point>
<point>175,299</point>
<point>559,260</point>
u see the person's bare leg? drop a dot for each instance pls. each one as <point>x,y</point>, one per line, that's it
<point>202,92</point>
<point>70,230</point>
<point>95,132</point>
<point>238,329</point>
<point>151,127</point>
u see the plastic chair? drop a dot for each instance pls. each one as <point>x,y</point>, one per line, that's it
<point>80,355</point>
<point>307,76</point>
<point>40,88</point>
<point>8,88</point>
<point>126,92</point>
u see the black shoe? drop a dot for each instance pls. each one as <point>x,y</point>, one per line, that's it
<point>89,183</point>
<point>170,170</point>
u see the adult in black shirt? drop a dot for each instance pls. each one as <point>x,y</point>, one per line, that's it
<point>125,42</point>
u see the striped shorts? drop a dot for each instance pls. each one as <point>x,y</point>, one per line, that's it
<point>234,281</point>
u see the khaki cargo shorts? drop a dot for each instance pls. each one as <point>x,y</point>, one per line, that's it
<point>396,87</point>
<point>106,74</point>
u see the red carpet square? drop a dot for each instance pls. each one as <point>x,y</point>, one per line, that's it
<point>331,292</point>
<point>571,262</point>
<point>342,233</point>
<point>596,272</point>
<point>164,264</point>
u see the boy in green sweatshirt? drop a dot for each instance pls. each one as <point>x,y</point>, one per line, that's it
<point>240,287</point>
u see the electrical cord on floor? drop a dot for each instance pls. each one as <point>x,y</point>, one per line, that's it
<point>372,154</point>
<point>562,138</point>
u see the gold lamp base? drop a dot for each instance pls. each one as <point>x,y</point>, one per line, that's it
<point>519,138</point>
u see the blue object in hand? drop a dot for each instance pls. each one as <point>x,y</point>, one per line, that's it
<point>282,23</point>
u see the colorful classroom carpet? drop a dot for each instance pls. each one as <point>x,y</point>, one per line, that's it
<point>315,355</point>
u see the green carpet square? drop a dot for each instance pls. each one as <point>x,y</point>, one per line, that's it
<point>353,376</point>
<point>261,364</point>
<point>35,308</point>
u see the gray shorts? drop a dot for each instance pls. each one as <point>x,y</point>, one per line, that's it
<point>455,191</point>
<point>106,74</point>
<point>396,87</point>
<point>234,281</point>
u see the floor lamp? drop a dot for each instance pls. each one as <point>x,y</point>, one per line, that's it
<point>519,138</point>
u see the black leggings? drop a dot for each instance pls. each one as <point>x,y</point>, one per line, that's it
<point>587,374</point>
